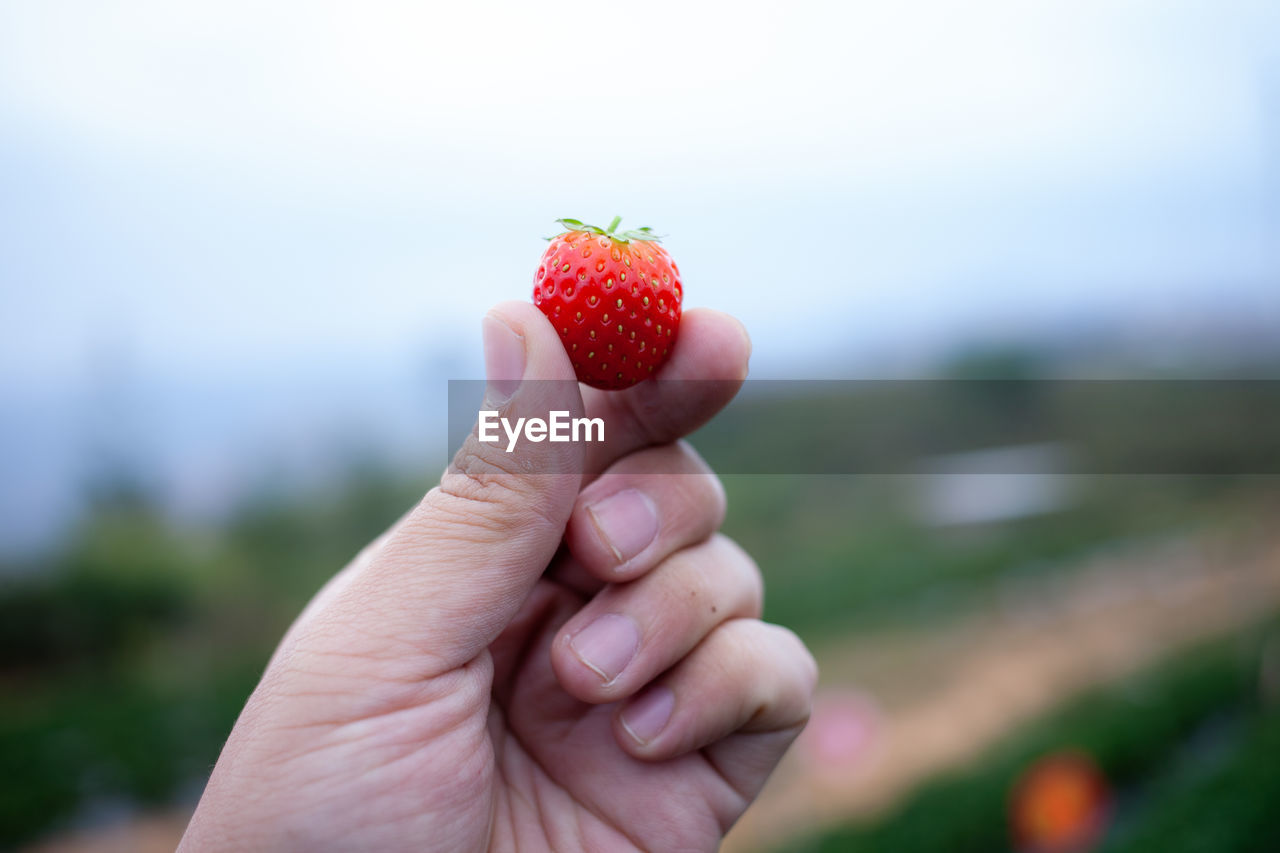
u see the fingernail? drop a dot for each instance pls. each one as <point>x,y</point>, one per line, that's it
<point>607,645</point>
<point>628,522</point>
<point>503,359</point>
<point>646,717</point>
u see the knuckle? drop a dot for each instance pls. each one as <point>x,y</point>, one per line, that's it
<point>708,493</point>
<point>714,499</point>
<point>775,671</point>
<point>794,658</point>
<point>691,458</point>
<point>478,466</point>
<point>715,577</point>
<point>748,579</point>
<point>646,409</point>
<point>483,492</point>
<point>785,698</point>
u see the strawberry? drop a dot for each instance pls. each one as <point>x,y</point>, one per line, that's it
<point>614,298</point>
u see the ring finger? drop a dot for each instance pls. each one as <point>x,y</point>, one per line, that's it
<point>629,633</point>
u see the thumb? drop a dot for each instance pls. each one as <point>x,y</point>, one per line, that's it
<point>456,569</point>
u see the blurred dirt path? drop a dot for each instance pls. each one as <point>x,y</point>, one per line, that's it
<point>945,695</point>
<point>157,833</point>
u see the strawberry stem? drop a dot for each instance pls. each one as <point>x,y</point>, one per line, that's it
<point>624,237</point>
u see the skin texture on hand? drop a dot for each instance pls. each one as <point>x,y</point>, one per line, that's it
<point>532,661</point>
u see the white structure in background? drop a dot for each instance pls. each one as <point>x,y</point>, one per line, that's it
<point>995,484</point>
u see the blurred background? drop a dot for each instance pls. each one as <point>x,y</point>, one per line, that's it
<point>244,246</point>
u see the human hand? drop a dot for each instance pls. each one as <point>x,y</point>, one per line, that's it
<point>469,683</point>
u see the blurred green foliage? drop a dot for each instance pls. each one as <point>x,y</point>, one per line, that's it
<point>846,552</point>
<point>126,656</point>
<point>1188,747</point>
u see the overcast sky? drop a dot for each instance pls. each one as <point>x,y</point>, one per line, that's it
<point>223,192</point>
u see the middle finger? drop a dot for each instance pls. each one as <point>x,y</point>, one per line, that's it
<point>647,506</point>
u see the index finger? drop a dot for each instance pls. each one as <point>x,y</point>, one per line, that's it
<point>705,371</point>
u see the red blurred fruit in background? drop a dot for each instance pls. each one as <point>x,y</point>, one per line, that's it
<point>1061,804</point>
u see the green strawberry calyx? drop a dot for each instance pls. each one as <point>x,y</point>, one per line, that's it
<point>636,235</point>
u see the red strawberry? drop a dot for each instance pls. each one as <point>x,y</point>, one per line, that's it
<point>614,297</point>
